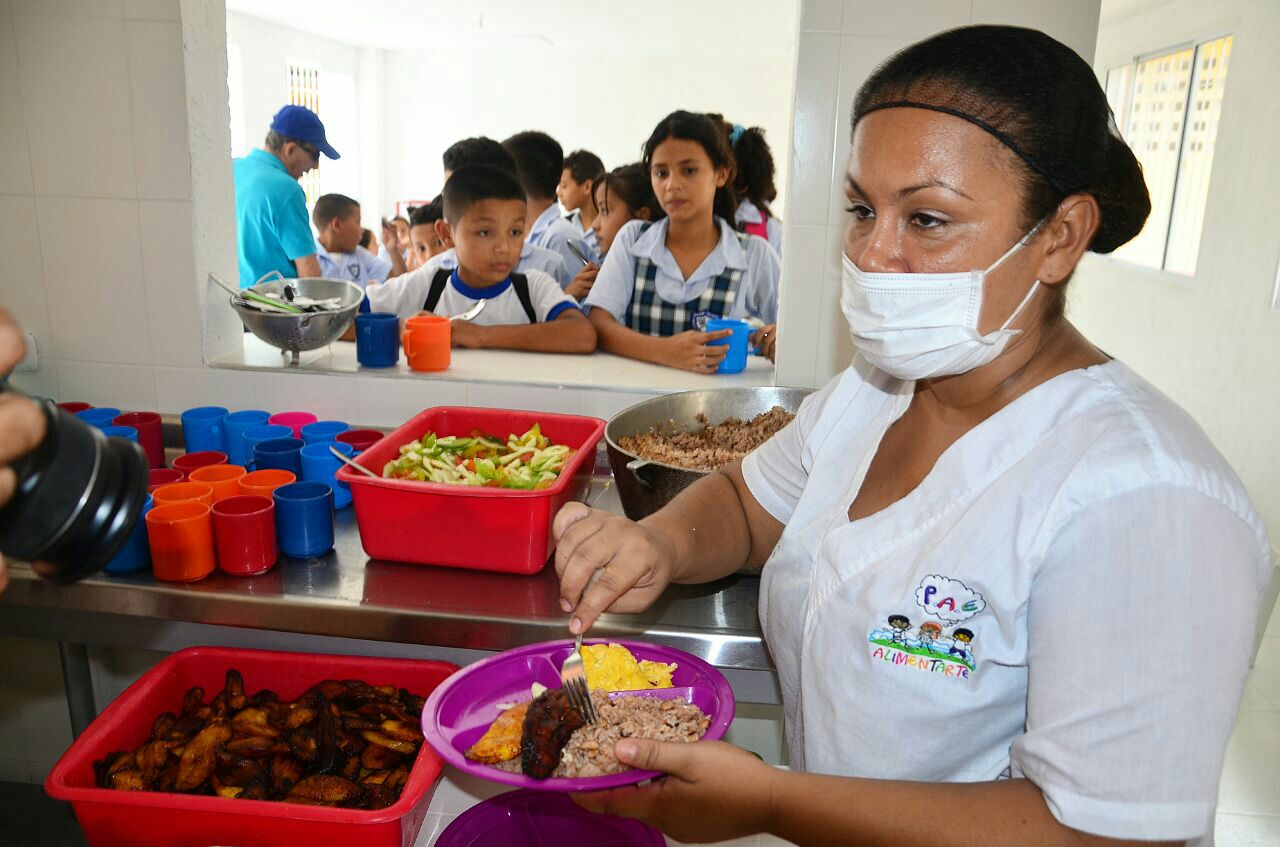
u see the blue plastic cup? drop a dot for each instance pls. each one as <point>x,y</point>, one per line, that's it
<point>234,426</point>
<point>126,432</point>
<point>320,465</point>
<point>135,555</point>
<point>735,361</point>
<point>377,339</point>
<point>281,453</point>
<point>202,429</point>
<point>261,432</point>
<point>322,431</point>
<point>304,519</point>
<point>100,417</point>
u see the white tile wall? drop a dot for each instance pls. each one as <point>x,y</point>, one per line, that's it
<point>128,387</point>
<point>389,402</point>
<point>158,94</point>
<point>75,94</point>
<point>22,283</point>
<point>92,251</point>
<point>185,388</point>
<point>152,10</point>
<point>911,19</point>
<point>821,15</point>
<point>74,9</point>
<point>42,382</point>
<point>329,397</point>
<point>173,315</point>
<point>15,164</point>
<point>814,129</point>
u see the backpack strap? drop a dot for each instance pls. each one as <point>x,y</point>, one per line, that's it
<point>438,282</point>
<point>520,283</point>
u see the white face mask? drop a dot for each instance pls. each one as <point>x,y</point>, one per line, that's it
<point>920,326</point>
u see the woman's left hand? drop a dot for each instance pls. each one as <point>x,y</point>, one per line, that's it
<point>713,791</point>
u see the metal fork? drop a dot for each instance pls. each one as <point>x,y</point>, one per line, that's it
<point>574,679</point>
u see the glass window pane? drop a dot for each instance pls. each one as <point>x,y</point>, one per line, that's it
<point>1118,93</point>
<point>1158,103</point>
<point>1192,190</point>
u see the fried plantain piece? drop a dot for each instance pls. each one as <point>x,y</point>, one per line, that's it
<point>501,741</point>
<point>127,780</point>
<point>401,731</point>
<point>234,690</point>
<point>286,772</point>
<point>230,792</point>
<point>397,778</point>
<point>241,772</point>
<point>254,722</point>
<point>152,758</point>
<point>193,701</point>
<point>262,698</point>
<point>299,715</point>
<point>375,757</point>
<point>198,757</point>
<point>349,767</point>
<point>379,796</point>
<point>255,747</point>
<point>303,745</point>
<point>106,767</point>
<point>162,725</point>
<point>390,743</point>
<point>322,790</point>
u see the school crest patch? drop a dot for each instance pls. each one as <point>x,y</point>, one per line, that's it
<point>936,641</point>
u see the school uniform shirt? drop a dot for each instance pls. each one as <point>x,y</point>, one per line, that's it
<point>359,266</point>
<point>271,218</point>
<point>588,236</point>
<point>748,213</point>
<point>407,294</point>
<point>1069,596</point>
<point>757,289</point>
<point>531,259</point>
<point>554,233</point>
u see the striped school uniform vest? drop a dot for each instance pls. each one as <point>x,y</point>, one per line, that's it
<point>650,314</point>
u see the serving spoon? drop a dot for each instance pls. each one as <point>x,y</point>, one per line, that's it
<point>352,462</point>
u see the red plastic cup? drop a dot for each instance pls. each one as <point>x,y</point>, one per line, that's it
<point>294,420</point>
<point>188,462</point>
<point>177,492</point>
<point>162,476</point>
<point>360,439</point>
<point>150,435</point>
<point>244,532</point>
<point>223,479</point>
<point>73,406</point>
<point>181,539</point>
<point>264,483</point>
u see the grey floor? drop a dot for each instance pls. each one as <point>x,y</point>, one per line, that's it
<point>30,818</point>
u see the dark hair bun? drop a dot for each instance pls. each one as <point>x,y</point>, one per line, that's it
<point>1122,197</point>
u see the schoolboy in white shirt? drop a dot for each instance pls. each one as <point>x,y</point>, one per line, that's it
<point>539,161</point>
<point>336,218</point>
<point>484,215</point>
<point>582,171</point>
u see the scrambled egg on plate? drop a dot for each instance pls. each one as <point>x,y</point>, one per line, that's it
<point>613,668</point>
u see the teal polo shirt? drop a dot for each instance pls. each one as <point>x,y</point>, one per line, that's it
<point>271,218</point>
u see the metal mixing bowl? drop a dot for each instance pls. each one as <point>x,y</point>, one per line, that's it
<point>645,486</point>
<point>297,333</point>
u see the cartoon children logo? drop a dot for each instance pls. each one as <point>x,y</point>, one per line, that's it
<point>930,647</point>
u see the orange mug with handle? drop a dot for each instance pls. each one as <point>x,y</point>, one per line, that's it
<point>426,342</point>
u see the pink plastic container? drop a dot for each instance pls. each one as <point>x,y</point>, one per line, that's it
<point>294,420</point>
<point>150,819</point>
<point>464,526</point>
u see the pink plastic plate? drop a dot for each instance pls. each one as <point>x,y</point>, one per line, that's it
<point>460,710</point>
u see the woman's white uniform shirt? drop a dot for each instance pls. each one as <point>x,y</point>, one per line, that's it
<point>1089,568</point>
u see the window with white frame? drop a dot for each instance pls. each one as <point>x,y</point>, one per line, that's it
<point>303,82</point>
<point>235,91</point>
<point>1167,107</point>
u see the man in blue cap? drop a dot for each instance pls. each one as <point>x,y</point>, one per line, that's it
<point>271,207</point>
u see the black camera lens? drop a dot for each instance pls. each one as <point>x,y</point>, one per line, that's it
<point>78,496</point>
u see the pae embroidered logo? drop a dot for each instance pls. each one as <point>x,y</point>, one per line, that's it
<point>930,647</point>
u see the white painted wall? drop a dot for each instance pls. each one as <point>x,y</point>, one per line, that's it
<point>1212,341</point>
<point>435,97</point>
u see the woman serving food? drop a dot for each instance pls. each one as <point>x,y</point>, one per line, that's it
<point>963,532</point>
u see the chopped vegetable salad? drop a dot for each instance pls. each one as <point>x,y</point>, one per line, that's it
<point>527,462</point>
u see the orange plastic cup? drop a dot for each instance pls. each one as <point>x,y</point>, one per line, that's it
<point>223,479</point>
<point>426,342</point>
<point>181,539</point>
<point>176,492</point>
<point>264,483</point>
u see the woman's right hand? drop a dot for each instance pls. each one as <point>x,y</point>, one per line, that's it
<point>635,564</point>
<point>690,350</point>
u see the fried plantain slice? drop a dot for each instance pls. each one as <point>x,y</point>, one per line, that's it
<point>401,731</point>
<point>501,741</point>
<point>198,756</point>
<point>127,780</point>
<point>390,743</point>
<point>378,758</point>
<point>321,790</point>
<point>234,690</point>
<point>254,722</point>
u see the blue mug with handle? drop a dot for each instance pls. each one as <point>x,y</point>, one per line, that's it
<point>377,339</point>
<point>202,429</point>
<point>735,361</point>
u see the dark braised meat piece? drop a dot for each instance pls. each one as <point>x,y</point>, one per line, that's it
<point>547,727</point>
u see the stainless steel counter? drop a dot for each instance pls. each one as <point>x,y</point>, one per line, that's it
<point>347,603</point>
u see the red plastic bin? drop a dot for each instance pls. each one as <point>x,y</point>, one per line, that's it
<point>465,526</point>
<point>151,819</point>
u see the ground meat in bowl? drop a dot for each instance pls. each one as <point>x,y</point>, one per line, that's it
<point>590,749</point>
<point>712,446</point>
